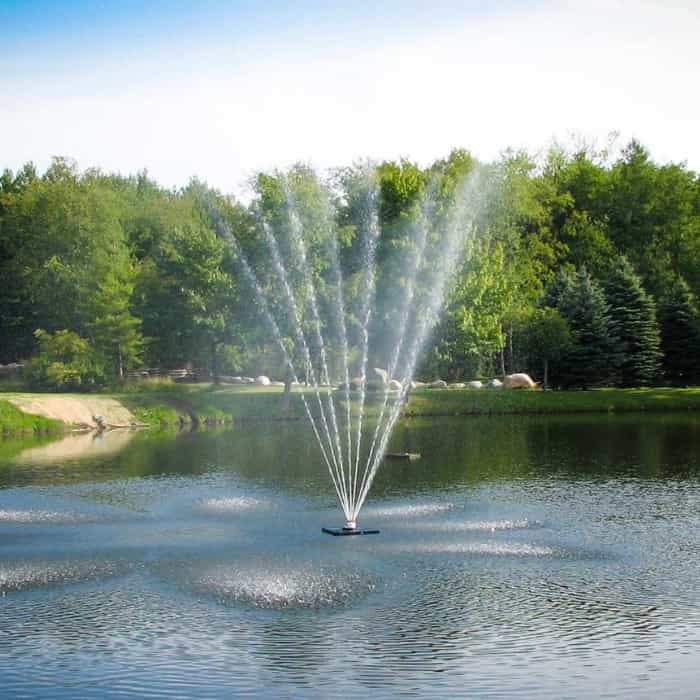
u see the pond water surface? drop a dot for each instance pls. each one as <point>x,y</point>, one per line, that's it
<point>531,557</point>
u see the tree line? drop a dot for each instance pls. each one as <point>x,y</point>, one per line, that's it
<point>582,269</point>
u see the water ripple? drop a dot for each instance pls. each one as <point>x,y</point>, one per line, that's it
<point>408,510</point>
<point>479,525</point>
<point>230,504</point>
<point>500,549</point>
<point>265,583</point>
<point>21,575</point>
<point>39,516</point>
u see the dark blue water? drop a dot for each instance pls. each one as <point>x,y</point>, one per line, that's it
<point>524,557</point>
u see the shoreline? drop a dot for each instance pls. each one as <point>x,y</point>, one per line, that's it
<point>206,404</point>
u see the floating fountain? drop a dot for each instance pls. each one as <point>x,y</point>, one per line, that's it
<point>288,300</point>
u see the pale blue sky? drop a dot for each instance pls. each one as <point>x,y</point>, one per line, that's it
<point>220,89</point>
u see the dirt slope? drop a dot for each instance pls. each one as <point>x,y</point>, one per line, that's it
<point>73,409</point>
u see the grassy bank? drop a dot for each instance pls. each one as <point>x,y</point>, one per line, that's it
<point>14,422</point>
<point>163,404</point>
<point>210,403</point>
<point>156,404</point>
<point>446,402</point>
<point>170,404</point>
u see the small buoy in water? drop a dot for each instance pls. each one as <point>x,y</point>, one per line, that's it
<point>407,456</point>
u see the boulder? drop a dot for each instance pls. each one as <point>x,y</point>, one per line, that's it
<point>262,380</point>
<point>418,385</point>
<point>475,385</point>
<point>248,380</point>
<point>457,385</point>
<point>395,385</point>
<point>519,381</point>
<point>438,384</point>
<point>382,374</point>
<point>495,384</point>
<point>233,380</point>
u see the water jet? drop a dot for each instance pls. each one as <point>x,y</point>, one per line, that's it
<point>436,243</point>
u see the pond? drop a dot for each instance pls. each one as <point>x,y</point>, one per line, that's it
<point>532,557</point>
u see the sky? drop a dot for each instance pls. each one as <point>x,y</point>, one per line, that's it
<point>221,89</point>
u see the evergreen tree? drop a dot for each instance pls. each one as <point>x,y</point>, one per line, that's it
<point>546,338</point>
<point>593,358</point>
<point>633,319</point>
<point>558,287</point>
<point>680,334</point>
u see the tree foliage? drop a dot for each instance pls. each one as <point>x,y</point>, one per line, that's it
<point>593,357</point>
<point>633,322</point>
<point>680,334</point>
<point>563,261</point>
<point>64,362</point>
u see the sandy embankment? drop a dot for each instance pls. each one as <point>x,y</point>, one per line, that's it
<point>79,411</point>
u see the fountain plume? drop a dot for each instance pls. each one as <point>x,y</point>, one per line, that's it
<point>436,248</point>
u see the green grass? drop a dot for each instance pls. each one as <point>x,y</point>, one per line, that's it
<point>242,403</point>
<point>13,421</point>
<point>207,404</point>
<point>152,385</point>
<point>446,402</point>
<point>155,415</point>
<point>163,404</point>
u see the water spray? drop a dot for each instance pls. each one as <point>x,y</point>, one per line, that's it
<point>418,313</point>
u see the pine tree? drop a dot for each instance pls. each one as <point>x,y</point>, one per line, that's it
<point>633,321</point>
<point>558,287</point>
<point>593,358</point>
<point>680,334</point>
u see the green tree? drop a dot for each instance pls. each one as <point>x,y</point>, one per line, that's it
<point>64,362</point>
<point>185,296</point>
<point>680,334</point>
<point>63,237</point>
<point>633,321</point>
<point>480,301</point>
<point>573,189</point>
<point>117,332</point>
<point>546,338</point>
<point>593,357</point>
<point>654,217</point>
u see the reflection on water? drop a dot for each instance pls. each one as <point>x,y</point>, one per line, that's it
<point>532,557</point>
<point>87,445</point>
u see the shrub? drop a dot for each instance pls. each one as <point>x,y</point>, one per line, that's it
<point>65,362</point>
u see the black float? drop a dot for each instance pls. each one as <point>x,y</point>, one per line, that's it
<point>349,529</point>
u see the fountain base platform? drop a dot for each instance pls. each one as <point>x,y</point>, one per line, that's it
<point>344,531</point>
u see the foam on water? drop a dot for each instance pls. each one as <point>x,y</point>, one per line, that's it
<point>230,504</point>
<point>268,584</point>
<point>480,525</point>
<point>21,575</point>
<point>498,549</point>
<point>408,510</point>
<point>41,516</point>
